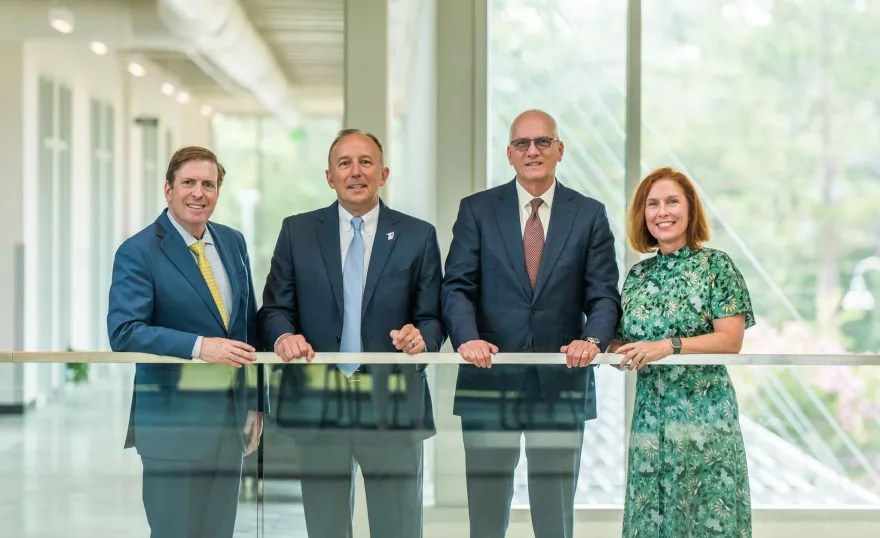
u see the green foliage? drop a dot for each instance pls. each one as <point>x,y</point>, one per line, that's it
<point>773,108</point>
<point>79,371</point>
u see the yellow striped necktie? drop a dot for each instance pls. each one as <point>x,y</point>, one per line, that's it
<point>198,249</point>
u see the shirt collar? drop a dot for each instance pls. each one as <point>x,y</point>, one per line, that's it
<point>371,218</point>
<point>188,237</point>
<point>525,198</point>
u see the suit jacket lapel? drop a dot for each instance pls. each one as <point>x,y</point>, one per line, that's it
<point>173,245</point>
<point>228,256</point>
<point>562,214</point>
<point>507,216</point>
<point>328,241</point>
<point>383,244</point>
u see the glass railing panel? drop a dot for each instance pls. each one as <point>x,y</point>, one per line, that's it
<point>396,449</point>
<point>128,449</point>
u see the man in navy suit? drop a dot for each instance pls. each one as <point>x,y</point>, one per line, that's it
<point>528,261</point>
<point>182,287</point>
<point>356,277</point>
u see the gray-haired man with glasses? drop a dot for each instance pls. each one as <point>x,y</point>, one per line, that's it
<point>531,269</point>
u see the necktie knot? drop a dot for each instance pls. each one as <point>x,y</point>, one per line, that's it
<point>198,248</point>
<point>536,203</point>
<point>356,223</point>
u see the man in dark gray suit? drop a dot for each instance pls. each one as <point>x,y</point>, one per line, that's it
<point>356,277</point>
<point>528,261</point>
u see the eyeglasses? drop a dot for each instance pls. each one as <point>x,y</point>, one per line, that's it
<point>523,144</point>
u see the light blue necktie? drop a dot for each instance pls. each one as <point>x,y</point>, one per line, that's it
<point>353,296</point>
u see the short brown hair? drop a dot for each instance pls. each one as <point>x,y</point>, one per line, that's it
<point>640,237</point>
<point>345,132</point>
<point>192,153</point>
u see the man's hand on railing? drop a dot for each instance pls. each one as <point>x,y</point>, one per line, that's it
<point>253,427</point>
<point>408,339</point>
<point>225,351</point>
<point>478,352</point>
<point>294,346</point>
<point>579,353</point>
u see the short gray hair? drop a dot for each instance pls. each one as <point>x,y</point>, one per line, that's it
<point>345,132</point>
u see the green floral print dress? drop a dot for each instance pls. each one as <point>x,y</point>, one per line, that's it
<point>687,473</point>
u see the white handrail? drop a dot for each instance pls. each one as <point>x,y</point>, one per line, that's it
<point>448,358</point>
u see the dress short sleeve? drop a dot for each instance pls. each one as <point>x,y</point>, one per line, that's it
<point>728,294</point>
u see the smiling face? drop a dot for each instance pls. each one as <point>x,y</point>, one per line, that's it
<point>356,173</point>
<point>666,215</point>
<point>535,167</point>
<point>193,195</point>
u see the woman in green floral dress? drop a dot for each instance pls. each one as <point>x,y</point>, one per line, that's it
<point>687,474</point>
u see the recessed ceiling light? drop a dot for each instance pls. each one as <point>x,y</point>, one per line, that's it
<point>182,97</point>
<point>98,48</point>
<point>61,19</point>
<point>168,88</point>
<point>207,110</point>
<point>136,69</point>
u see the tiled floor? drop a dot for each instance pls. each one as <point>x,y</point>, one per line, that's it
<point>64,473</point>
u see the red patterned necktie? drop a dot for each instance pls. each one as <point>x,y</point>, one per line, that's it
<point>533,242</point>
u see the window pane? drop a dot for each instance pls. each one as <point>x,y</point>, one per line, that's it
<point>271,173</point>
<point>771,108</point>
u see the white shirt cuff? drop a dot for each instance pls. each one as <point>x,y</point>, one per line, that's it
<point>279,338</point>
<point>197,348</point>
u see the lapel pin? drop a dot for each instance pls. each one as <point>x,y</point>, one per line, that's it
<point>390,236</point>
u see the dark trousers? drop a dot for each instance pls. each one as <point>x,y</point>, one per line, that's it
<point>392,469</point>
<point>194,498</point>
<point>553,451</point>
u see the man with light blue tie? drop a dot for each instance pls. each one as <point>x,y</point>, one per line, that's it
<point>355,277</point>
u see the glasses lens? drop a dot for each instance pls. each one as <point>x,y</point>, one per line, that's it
<point>543,142</point>
<point>521,144</point>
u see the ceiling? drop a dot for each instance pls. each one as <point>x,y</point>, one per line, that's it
<point>305,37</point>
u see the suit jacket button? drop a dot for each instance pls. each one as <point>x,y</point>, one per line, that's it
<point>534,310</point>
<point>338,340</point>
<point>526,346</point>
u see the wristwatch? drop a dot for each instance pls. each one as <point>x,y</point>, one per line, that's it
<point>676,345</point>
<point>592,340</point>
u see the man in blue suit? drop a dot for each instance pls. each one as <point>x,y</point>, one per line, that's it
<point>528,261</point>
<point>356,277</point>
<point>182,287</point>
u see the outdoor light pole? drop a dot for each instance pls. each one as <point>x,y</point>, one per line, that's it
<point>859,297</point>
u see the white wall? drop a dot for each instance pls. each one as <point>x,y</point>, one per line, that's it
<point>11,228</point>
<point>88,76</point>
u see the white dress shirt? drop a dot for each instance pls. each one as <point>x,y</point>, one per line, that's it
<point>217,268</point>
<point>368,232</point>
<point>525,207</point>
